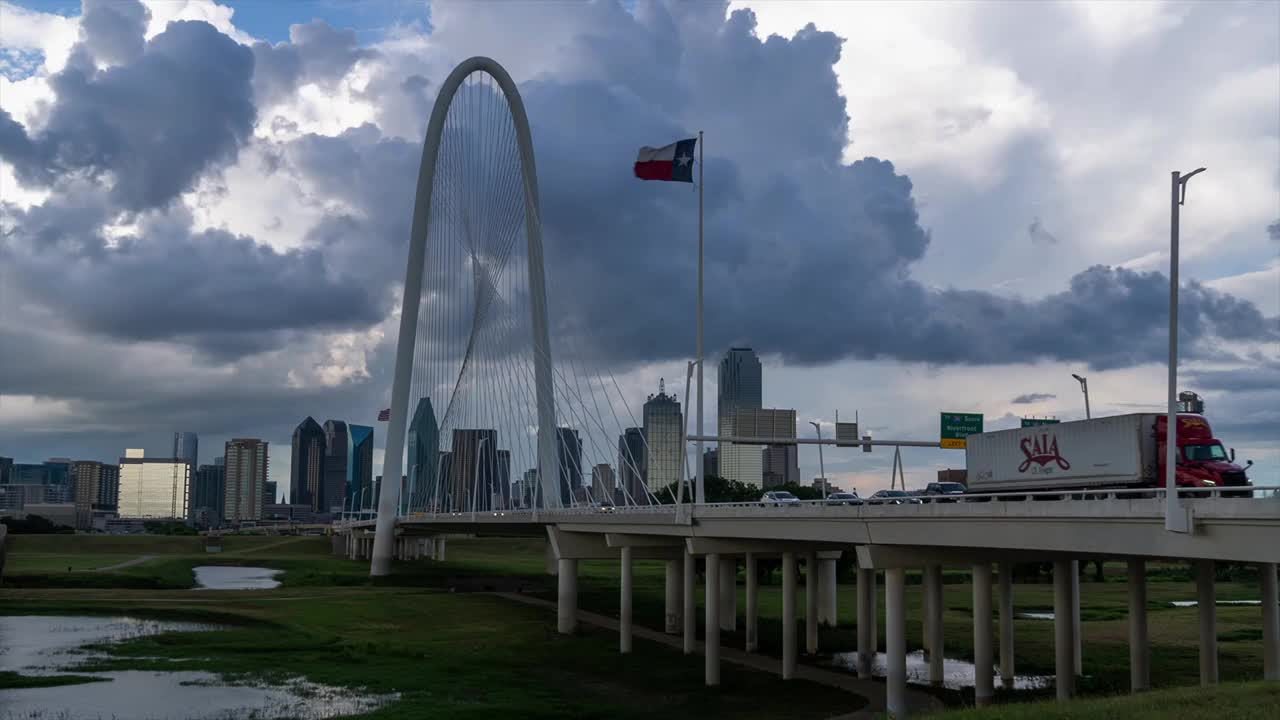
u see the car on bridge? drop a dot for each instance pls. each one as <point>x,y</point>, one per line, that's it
<point>779,498</point>
<point>893,497</point>
<point>943,491</point>
<point>843,498</point>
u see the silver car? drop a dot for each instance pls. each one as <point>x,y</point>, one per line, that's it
<point>779,498</point>
<point>844,498</point>
<point>893,497</point>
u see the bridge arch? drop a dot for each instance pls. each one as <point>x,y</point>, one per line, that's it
<point>393,464</point>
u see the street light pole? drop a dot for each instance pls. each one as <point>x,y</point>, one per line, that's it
<point>1175,518</point>
<point>1084,387</point>
<point>822,466</point>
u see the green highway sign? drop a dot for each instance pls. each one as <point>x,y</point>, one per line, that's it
<point>957,426</point>
<point>1033,422</point>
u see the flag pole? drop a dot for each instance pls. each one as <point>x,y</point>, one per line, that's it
<point>699,464</point>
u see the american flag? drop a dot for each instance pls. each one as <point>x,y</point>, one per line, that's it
<point>384,415</point>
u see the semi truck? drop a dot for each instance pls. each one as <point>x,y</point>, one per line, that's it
<point>1121,451</point>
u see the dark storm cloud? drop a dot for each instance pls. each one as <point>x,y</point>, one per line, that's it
<point>113,30</point>
<point>807,257</point>
<point>150,127</point>
<point>1032,398</point>
<point>220,292</point>
<point>1273,231</point>
<point>1039,235</point>
<point>316,52</point>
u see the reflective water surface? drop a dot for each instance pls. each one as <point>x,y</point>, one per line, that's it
<point>43,645</point>
<point>231,577</point>
<point>956,674</point>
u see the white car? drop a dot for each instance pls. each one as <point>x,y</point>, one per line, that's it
<point>779,498</point>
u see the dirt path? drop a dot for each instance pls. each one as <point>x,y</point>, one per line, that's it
<point>917,702</point>
<point>127,563</point>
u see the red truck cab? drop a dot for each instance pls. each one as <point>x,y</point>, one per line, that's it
<point>1202,461</point>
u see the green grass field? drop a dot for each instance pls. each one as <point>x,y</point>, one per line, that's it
<point>328,605</point>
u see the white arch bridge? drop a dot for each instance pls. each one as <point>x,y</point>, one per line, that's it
<point>492,433</point>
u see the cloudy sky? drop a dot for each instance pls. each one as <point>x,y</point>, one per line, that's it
<point>911,207</point>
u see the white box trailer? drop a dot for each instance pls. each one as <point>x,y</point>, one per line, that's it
<point>1119,450</point>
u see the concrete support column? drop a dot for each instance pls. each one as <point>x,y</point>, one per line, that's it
<point>1270,622</point>
<point>728,593</point>
<point>690,614</point>
<point>549,560</point>
<point>895,638</point>
<point>811,603</point>
<point>711,650</point>
<point>829,612</point>
<point>1064,645</point>
<point>1139,649</point>
<point>1075,617</point>
<point>933,592</point>
<point>1006,625</point>
<point>875,613</point>
<point>441,545</point>
<point>753,606</point>
<point>1208,611</point>
<point>983,668</point>
<point>673,599</point>
<point>624,604</point>
<point>567,597</point>
<point>866,621</point>
<point>788,615</point>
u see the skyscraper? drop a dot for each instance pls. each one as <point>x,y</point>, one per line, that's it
<point>569,447</point>
<point>781,465</point>
<point>603,482</point>
<point>360,489</point>
<point>631,466</point>
<point>337,451</point>
<point>529,488</point>
<point>424,456</point>
<point>87,481</point>
<point>502,480</point>
<point>208,495</point>
<point>473,468</point>
<point>246,479</point>
<point>108,488</point>
<point>306,471</point>
<point>663,432</point>
<point>741,386</point>
<point>153,488</point>
<point>186,446</point>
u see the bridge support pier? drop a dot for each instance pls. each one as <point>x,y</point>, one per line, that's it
<point>933,621</point>
<point>624,610</point>
<point>811,603</point>
<point>753,598</point>
<point>788,615</point>
<point>1075,618</point>
<point>673,599</point>
<point>1139,650</point>
<point>1006,625</point>
<point>1208,612</point>
<point>728,593</point>
<point>711,646</point>
<point>983,668</point>
<point>866,621</point>
<point>690,614</point>
<point>1064,644</point>
<point>875,613</point>
<point>895,638</point>
<point>1270,622</point>
<point>828,597</point>
<point>567,598</point>
<point>440,547</point>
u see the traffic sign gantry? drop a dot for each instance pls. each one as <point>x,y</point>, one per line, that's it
<point>957,426</point>
<point>1033,422</point>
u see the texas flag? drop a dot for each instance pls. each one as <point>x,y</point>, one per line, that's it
<point>673,162</point>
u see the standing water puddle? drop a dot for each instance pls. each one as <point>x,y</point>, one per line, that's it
<point>230,577</point>
<point>40,645</point>
<point>956,674</point>
<point>1193,603</point>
